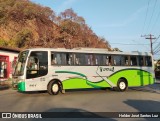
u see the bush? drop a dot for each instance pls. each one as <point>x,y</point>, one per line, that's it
<point>3,42</point>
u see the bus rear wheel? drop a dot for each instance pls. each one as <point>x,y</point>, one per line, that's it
<point>53,88</point>
<point>122,85</point>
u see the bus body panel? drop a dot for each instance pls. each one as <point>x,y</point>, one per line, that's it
<point>79,77</point>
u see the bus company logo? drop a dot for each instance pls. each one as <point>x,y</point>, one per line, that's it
<point>6,115</point>
<point>21,115</point>
<point>106,69</point>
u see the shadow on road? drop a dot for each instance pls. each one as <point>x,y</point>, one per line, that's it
<point>32,92</point>
<point>145,106</point>
<point>155,88</point>
<point>144,90</point>
<point>76,113</point>
<point>70,91</point>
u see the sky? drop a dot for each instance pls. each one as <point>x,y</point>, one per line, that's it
<point>121,22</point>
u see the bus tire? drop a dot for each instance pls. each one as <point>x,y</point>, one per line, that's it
<point>53,88</point>
<point>122,85</point>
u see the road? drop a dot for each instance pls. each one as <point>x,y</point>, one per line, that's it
<point>141,99</point>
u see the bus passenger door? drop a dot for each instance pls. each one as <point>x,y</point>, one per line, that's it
<point>37,69</point>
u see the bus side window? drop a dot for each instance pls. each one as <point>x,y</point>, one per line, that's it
<point>87,60</point>
<point>69,59</point>
<point>124,60</point>
<point>98,59</point>
<point>77,61</point>
<point>140,60</point>
<point>80,59</point>
<point>116,60</point>
<point>53,59</point>
<point>148,61</point>
<point>89,63</point>
<point>107,60</point>
<point>90,59</point>
<point>58,58</point>
<point>133,60</point>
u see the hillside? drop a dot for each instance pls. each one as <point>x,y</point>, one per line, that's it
<point>24,24</point>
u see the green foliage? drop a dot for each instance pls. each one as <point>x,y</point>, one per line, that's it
<point>70,27</point>
<point>3,42</point>
<point>22,38</point>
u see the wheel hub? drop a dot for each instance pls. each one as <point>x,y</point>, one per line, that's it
<point>122,85</point>
<point>55,88</point>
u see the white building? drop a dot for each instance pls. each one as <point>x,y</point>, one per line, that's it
<point>8,58</point>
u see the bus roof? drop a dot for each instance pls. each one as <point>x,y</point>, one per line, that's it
<point>90,50</point>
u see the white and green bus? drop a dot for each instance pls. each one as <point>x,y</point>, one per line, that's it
<point>57,70</point>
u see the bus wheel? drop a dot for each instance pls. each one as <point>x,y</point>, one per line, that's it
<point>53,88</point>
<point>122,85</point>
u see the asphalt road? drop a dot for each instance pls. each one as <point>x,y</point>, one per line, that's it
<point>141,99</point>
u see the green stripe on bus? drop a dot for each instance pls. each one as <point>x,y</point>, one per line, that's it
<point>100,84</point>
<point>21,86</point>
<point>78,83</point>
<point>75,83</point>
<point>135,77</point>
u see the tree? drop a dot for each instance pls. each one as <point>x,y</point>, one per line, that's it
<point>22,38</point>
<point>3,42</point>
<point>27,24</point>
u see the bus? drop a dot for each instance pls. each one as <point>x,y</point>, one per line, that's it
<point>58,69</point>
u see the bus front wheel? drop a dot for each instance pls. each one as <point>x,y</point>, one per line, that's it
<point>53,88</point>
<point>122,85</point>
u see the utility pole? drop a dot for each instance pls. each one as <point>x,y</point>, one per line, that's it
<point>150,37</point>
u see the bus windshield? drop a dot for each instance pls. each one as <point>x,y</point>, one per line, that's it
<point>19,69</point>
